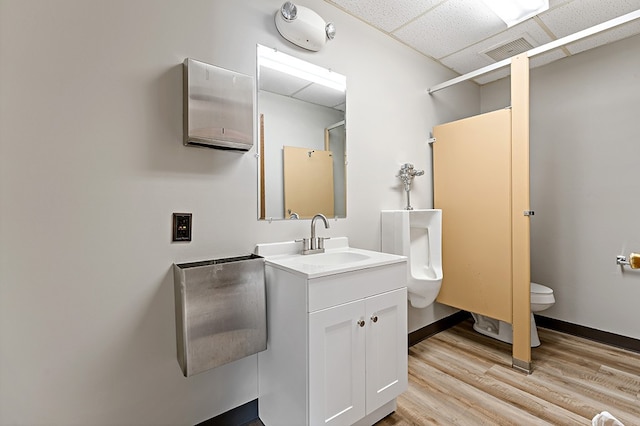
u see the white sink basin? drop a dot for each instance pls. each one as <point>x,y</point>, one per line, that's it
<point>337,258</point>
<point>332,258</point>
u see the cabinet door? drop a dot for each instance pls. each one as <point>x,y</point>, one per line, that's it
<point>337,364</point>
<point>387,347</point>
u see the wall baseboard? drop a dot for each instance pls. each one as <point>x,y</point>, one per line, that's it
<point>238,416</point>
<point>436,327</point>
<point>589,333</point>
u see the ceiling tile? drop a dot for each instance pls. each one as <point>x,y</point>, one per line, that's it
<point>618,33</point>
<point>493,76</point>
<point>466,60</point>
<point>537,61</point>
<point>542,59</point>
<point>384,14</point>
<point>546,58</point>
<point>320,95</point>
<point>279,82</point>
<point>577,15</point>
<point>452,26</point>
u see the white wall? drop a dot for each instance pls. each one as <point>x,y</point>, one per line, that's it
<point>584,183</point>
<point>92,166</point>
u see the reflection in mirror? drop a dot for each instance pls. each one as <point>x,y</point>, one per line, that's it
<point>302,138</point>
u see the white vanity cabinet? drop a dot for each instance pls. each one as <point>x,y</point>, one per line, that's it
<point>337,345</point>
<point>357,362</point>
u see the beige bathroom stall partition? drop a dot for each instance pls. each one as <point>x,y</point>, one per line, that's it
<point>481,183</point>
<point>472,174</point>
<point>308,182</point>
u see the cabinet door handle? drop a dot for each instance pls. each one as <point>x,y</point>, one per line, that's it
<point>374,318</point>
<point>361,323</point>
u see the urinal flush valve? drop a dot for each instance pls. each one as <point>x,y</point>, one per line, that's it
<point>406,175</point>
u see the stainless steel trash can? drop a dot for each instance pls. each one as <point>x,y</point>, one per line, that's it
<point>220,309</point>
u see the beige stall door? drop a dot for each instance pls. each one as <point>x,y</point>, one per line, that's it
<point>472,186</point>
<point>308,182</point>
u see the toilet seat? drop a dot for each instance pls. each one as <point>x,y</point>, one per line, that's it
<point>541,299</point>
<point>541,295</point>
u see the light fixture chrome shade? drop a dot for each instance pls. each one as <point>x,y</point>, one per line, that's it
<point>289,11</point>
<point>330,29</point>
<point>303,27</point>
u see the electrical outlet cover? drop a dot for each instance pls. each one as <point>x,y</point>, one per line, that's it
<point>182,226</point>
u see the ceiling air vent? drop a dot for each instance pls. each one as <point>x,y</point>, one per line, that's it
<point>509,49</point>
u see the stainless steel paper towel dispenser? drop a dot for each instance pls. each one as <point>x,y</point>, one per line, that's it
<point>218,107</point>
<point>220,308</point>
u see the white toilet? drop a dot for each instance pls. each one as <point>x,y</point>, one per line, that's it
<point>416,234</point>
<point>541,299</point>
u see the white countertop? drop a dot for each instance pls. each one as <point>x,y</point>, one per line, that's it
<point>337,258</point>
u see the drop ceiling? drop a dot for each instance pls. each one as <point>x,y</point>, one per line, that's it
<point>465,35</point>
<point>284,84</point>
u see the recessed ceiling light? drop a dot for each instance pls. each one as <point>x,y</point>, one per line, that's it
<point>513,12</point>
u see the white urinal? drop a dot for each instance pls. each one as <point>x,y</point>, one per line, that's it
<point>416,234</point>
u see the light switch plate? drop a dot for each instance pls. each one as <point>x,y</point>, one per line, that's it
<point>182,226</point>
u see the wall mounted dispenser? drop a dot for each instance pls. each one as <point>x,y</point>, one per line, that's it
<point>218,107</point>
<point>220,308</point>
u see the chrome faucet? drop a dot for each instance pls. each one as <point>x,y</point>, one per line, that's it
<point>315,244</point>
<point>313,228</point>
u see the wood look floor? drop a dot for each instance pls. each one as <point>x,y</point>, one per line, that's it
<point>460,377</point>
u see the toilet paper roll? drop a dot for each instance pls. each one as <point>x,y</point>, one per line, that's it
<point>634,260</point>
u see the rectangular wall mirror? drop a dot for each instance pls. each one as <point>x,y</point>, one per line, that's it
<point>301,138</point>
